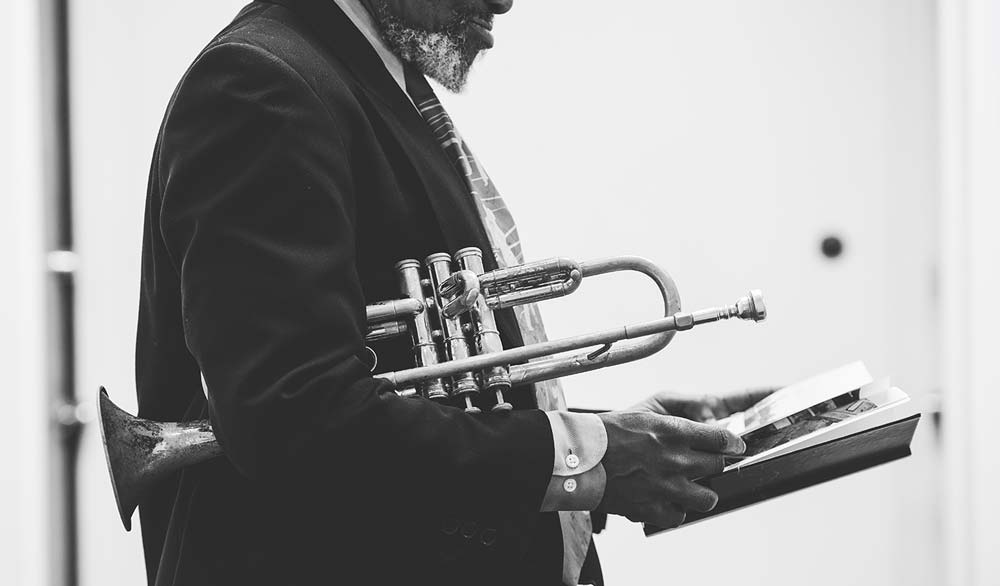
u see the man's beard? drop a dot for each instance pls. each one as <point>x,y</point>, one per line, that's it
<point>444,55</point>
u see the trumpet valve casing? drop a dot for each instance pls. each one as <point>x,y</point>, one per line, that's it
<point>456,347</point>
<point>425,350</point>
<point>485,335</point>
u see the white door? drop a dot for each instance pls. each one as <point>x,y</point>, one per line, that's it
<point>726,141</point>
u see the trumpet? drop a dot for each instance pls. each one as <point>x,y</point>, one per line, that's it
<point>447,310</point>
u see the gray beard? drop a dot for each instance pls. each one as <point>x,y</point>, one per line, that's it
<point>445,56</point>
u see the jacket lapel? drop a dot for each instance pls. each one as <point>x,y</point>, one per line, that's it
<point>444,188</point>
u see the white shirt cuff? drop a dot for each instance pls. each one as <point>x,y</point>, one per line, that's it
<point>578,478</point>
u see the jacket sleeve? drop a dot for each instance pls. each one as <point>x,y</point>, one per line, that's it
<point>258,216</point>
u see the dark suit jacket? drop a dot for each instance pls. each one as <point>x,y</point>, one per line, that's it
<point>289,176</point>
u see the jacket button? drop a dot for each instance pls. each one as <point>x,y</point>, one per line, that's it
<point>469,529</point>
<point>488,537</point>
<point>569,485</point>
<point>450,527</point>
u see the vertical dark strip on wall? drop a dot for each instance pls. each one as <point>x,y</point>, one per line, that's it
<point>61,332</point>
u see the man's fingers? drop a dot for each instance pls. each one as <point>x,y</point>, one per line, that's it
<point>711,438</point>
<point>695,463</point>
<point>691,496</point>
<point>743,400</point>
<point>667,516</point>
<point>702,411</point>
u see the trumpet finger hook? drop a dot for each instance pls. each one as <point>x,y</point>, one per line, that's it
<point>461,290</point>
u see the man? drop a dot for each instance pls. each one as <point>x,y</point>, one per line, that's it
<point>302,155</point>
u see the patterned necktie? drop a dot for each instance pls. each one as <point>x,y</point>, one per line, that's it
<point>506,244</point>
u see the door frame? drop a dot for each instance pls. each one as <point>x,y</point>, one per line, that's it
<point>969,51</point>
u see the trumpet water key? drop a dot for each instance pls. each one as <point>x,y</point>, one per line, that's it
<point>447,310</point>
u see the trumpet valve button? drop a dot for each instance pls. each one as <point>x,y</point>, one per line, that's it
<point>488,537</point>
<point>502,405</point>
<point>470,408</point>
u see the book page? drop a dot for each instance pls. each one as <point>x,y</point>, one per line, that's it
<point>844,408</point>
<point>799,397</point>
<point>876,404</point>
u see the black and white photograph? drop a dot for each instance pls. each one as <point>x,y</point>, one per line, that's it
<point>500,293</point>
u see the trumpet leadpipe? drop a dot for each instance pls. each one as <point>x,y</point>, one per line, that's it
<point>603,340</point>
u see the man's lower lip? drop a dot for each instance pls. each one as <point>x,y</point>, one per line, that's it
<point>485,34</point>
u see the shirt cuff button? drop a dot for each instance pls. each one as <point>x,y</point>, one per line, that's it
<point>572,460</point>
<point>569,485</point>
<point>469,529</point>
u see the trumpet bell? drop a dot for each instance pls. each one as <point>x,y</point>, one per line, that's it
<point>140,453</point>
<point>122,453</point>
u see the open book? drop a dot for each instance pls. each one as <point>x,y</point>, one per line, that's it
<point>812,431</point>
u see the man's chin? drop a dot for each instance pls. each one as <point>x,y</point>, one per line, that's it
<point>454,80</point>
<point>451,70</point>
<point>444,56</point>
<point>454,84</point>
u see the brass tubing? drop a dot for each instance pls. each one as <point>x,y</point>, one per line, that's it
<point>658,330</point>
<point>564,366</point>
<point>527,272</point>
<point>394,310</point>
<point>386,330</point>
<point>557,366</point>
<point>613,354</point>
<point>425,351</point>
<point>404,378</point>
<point>388,319</point>
<point>531,282</point>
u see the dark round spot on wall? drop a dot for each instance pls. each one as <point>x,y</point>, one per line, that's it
<point>832,247</point>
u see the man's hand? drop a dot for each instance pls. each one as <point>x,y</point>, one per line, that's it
<point>706,408</point>
<point>651,461</point>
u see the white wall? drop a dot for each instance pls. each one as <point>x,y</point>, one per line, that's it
<point>722,139</point>
<point>127,58</point>
<point>23,435</point>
